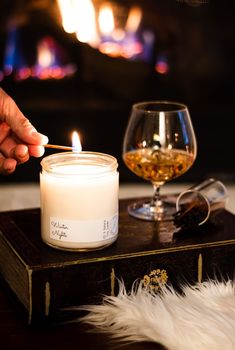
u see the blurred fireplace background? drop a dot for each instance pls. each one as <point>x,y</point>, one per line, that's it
<point>122,52</point>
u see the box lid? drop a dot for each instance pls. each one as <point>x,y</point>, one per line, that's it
<point>21,230</point>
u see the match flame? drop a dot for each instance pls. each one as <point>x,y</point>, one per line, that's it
<point>76,144</point>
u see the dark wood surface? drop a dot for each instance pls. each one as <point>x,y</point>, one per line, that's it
<point>15,334</point>
<point>47,280</point>
<point>21,229</point>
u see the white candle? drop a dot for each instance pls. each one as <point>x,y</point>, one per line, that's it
<point>79,200</point>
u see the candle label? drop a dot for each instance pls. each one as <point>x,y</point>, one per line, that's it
<point>83,230</point>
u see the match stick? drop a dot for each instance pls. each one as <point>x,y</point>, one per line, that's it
<point>65,148</point>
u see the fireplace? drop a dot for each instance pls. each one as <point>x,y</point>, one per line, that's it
<point>166,49</point>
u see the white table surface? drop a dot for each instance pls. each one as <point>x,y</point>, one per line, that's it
<point>27,195</point>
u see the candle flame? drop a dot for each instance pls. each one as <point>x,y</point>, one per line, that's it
<point>76,144</point>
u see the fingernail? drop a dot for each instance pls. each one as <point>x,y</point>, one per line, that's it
<point>24,151</point>
<point>44,138</point>
<point>41,151</point>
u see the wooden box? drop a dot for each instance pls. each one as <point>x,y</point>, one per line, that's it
<point>46,280</point>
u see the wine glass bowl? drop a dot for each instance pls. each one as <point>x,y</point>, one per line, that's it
<point>159,146</point>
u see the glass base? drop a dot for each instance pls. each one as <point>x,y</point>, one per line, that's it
<point>144,209</point>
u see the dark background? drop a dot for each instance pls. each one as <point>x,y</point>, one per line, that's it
<point>198,41</point>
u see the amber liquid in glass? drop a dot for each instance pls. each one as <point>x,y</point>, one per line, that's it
<point>158,166</point>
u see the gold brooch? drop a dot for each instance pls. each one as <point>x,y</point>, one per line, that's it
<point>155,280</point>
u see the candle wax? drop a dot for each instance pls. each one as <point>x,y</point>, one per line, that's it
<point>79,206</point>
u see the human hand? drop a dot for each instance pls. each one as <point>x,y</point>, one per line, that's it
<point>18,138</point>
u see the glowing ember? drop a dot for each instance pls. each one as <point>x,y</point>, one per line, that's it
<point>23,73</point>
<point>162,66</point>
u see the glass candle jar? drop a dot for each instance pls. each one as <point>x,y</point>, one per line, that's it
<point>79,200</point>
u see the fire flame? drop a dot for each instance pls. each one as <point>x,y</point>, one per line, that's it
<point>134,19</point>
<point>78,16</point>
<point>86,23</point>
<point>76,144</point>
<point>48,65</point>
<point>104,33</point>
<point>106,20</point>
<point>67,15</point>
<point>46,53</point>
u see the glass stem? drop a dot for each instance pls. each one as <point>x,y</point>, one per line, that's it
<point>156,200</point>
<point>156,204</point>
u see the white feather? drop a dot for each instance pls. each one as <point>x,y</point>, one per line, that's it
<point>201,318</point>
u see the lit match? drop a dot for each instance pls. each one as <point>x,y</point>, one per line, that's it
<point>76,144</point>
<point>65,148</point>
